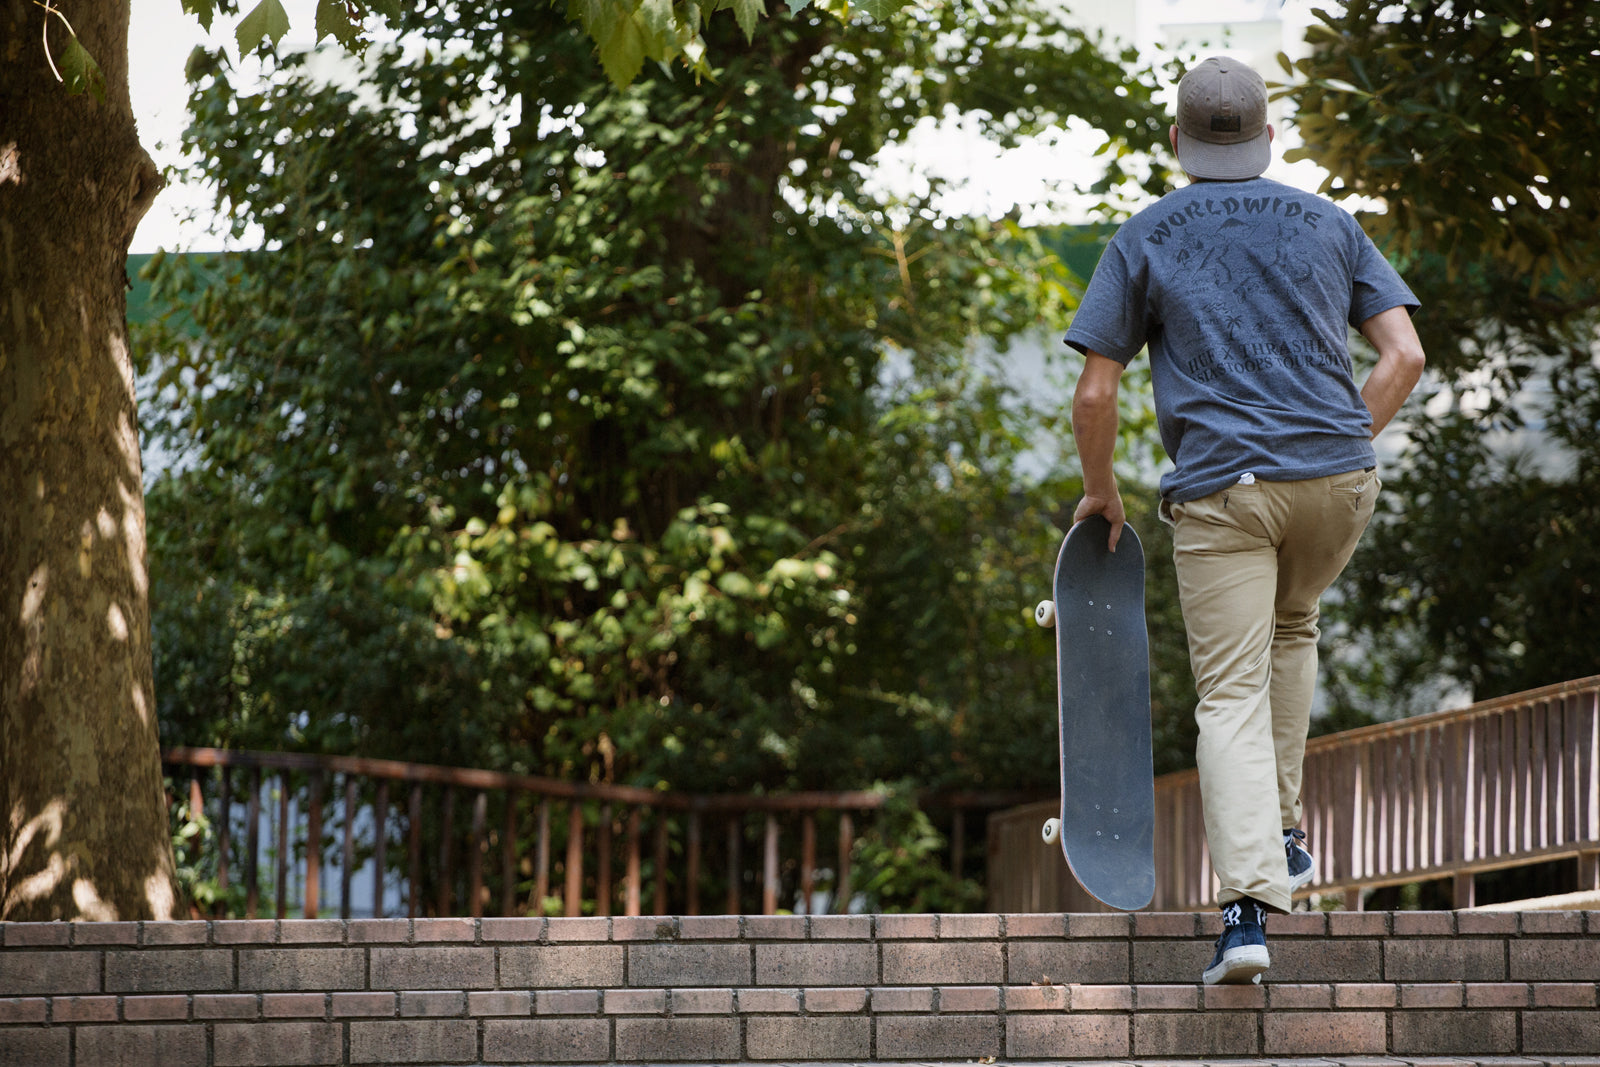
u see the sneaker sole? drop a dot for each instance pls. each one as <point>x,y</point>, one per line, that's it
<point>1240,966</point>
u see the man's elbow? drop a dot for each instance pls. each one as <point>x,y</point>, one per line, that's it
<point>1092,398</point>
<point>1409,359</point>
<point>1394,336</point>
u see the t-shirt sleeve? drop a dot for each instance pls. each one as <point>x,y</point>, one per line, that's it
<point>1377,285</point>
<point>1111,318</point>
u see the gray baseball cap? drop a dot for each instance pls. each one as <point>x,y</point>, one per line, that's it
<point>1222,121</point>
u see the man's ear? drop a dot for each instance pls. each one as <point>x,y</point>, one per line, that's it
<point>1172,135</point>
<point>1271,133</point>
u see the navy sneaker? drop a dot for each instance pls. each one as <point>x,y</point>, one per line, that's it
<point>1242,949</point>
<point>1302,868</point>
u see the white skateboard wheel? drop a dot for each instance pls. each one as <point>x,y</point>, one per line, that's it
<point>1052,827</point>
<point>1045,614</point>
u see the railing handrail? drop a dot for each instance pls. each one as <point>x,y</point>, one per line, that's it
<point>482,778</point>
<point>1477,710</point>
<point>1364,735</point>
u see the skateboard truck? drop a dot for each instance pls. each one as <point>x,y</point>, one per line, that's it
<point>1045,615</point>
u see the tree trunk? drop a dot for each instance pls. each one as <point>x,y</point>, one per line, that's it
<point>83,824</point>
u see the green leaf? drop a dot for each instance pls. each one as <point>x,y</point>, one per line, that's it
<point>81,72</point>
<point>746,12</point>
<point>598,17</point>
<point>389,9</point>
<point>204,10</point>
<point>266,21</point>
<point>660,23</point>
<point>334,20</point>
<point>797,6</point>
<point>622,52</point>
<point>880,10</point>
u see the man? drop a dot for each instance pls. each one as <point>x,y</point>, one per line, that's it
<point>1244,289</point>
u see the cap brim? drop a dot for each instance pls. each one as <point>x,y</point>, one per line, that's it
<point>1225,162</point>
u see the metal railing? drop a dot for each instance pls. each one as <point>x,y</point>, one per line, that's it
<point>391,835</point>
<point>1503,783</point>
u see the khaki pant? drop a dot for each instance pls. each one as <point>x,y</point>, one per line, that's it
<point>1252,563</point>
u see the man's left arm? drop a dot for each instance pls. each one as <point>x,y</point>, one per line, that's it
<point>1094,429</point>
<point>1400,362</point>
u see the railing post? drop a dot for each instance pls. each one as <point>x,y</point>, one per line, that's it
<point>1568,714</point>
<point>1588,710</point>
<point>1506,826</point>
<point>348,854</point>
<point>769,868</point>
<point>847,844</point>
<point>735,864</point>
<point>380,845</point>
<point>693,874</point>
<point>1489,804</point>
<point>414,907</point>
<point>285,846</point>
<point>1464,891</point>
<point>602,890</point>
<point>252,847</point>
<point>573,903</point>
<point>312,902</point>
<point>541,859</point>
<point>808,858</point>
<point>1365,831</point>
<point>224,830</point>
<point>508,857</point>
<point>1465,795</point>
<point>480,821</point>
<point>633,888</point>
<point>447,873</point>
<point>662,851</point>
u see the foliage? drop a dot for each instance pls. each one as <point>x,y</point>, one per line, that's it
<point>620,435</point>
<point>1484,566</point>
<point>194,844</point>
<point>902,861</point>
<point>1464,121</point>
<point>624,33</point>
<point>1467,121</point>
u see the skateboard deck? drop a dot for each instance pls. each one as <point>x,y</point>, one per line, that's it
<point>1107,827</point>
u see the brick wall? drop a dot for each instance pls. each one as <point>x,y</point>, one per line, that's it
<point>834,988</point>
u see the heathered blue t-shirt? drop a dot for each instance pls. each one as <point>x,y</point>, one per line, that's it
<point>1243,292</point>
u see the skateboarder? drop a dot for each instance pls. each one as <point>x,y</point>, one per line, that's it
<point>1244,288</point>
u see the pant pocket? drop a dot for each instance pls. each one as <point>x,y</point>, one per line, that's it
<point>1359,491</point>
<point>1355,484</point>
<point>1227,520</point>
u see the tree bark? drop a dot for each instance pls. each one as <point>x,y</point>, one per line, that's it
<point>83,823</point>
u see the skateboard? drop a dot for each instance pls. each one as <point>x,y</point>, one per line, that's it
<point>1107,824</point>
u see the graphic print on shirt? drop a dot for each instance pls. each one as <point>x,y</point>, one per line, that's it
<point>1242,263</point>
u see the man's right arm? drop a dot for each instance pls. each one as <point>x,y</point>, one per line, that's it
<point>1400,362</point>
<point>1094,430</point>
